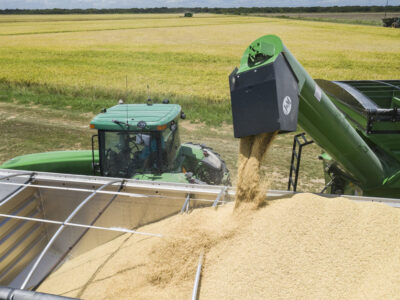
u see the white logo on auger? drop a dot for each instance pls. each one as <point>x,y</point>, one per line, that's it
<point>287,105</point>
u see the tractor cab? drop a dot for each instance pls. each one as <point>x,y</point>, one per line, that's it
<point>136,139</point>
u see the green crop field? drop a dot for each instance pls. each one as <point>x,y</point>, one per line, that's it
<point>187,59</point>
<point>73,65</point>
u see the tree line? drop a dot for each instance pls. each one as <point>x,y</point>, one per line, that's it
<point>215,10</point>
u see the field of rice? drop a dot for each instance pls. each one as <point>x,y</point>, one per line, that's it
<point>179,57</point>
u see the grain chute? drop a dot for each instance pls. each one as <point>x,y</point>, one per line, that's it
<point>356,123</point>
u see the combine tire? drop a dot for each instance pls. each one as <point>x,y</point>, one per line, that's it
<point>224,172</point>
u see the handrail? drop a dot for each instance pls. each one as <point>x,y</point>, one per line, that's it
<point>117,229</point>
<point>127,194</point>
<point>63,188</point>
<point>18,174</point>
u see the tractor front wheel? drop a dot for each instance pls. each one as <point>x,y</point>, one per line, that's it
<point>213,169</point>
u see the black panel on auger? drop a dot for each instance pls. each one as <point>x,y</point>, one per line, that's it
<point>264,99</point>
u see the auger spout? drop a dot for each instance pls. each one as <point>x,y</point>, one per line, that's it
<point>271,91</point>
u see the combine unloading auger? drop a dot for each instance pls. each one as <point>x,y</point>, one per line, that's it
<point>356,123</point>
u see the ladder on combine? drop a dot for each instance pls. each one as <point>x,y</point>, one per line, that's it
<point>299,141</point>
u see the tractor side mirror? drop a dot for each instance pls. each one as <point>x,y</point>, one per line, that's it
<point>173,126</point>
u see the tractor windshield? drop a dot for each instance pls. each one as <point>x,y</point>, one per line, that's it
<point>126,153</point>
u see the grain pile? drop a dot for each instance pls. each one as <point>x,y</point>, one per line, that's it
<point>250,186</point>
<point>298,247</point>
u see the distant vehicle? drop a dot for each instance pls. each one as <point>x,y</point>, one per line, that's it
<point>391,22</point>
<point>188,14</point>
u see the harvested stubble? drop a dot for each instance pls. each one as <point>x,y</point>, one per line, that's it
<point>298,247</point>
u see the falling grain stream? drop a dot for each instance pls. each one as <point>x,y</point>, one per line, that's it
<point>250,185</point>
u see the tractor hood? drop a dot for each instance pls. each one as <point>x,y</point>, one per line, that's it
<point>73,162</point>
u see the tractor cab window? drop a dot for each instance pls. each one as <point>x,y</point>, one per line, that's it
<point>126,153</point>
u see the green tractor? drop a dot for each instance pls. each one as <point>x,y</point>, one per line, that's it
<point>139,141</point>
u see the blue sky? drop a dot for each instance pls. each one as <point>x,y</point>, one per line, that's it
<point>180,3</point>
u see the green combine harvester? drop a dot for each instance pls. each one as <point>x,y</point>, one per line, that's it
<point>356,123</point>
<point>139,141</point>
